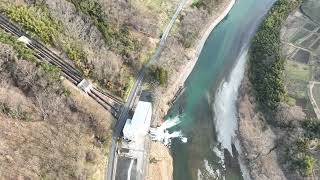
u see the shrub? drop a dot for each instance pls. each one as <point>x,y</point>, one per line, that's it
<point>119,39</point>
<point>52,71</point>
<point>20,48</point>
<point>198,4</point>
<point>79,57</point>
<point>299,155</point>
<point>153,160</point>
<point>37,20</point>
<point>306,165</point>
<point>24,53</point>
<point>127,88</point>
<point>66,92</point>
<point>159,74</point>
<point>15,113</point>
<point>187,39</point>
<point>312,128</point>
<point>302,145</point>
<point>91,156</point>
<point>76,54</point>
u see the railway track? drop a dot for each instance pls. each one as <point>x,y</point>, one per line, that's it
<point>43,53</point>
<point>105,99</point>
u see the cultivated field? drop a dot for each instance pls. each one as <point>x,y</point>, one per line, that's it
<point>301,46</point>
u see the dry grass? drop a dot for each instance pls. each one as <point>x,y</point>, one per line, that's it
<point>316,93</point>
<point>64,138</point>
<point>298,71</point>
<point>106,64</point>
<point>160,163</point>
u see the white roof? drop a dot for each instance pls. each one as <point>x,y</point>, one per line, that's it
<point>140,123</point>
<point>140,117</point>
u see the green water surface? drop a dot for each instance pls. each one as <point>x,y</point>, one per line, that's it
<point>194,106</point>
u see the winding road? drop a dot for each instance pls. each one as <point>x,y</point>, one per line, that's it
<point>134,92</point>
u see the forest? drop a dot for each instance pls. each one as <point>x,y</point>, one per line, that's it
<point>266,63</point>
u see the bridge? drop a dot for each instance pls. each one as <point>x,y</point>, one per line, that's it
<point>110,102</point>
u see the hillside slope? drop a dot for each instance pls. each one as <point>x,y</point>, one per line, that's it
<point>45,132</point>
<point>108,40</point>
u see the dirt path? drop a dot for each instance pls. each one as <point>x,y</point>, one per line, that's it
<point>312,100</point>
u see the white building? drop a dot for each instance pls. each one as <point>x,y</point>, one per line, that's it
<point>139,125</point>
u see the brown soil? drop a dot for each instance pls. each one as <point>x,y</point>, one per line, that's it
<point>62,136</point>
<point>257,139</point>
<point>160,166</point>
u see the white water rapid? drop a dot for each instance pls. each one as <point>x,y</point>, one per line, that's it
<point>225,104</point>
<point>162,134</point>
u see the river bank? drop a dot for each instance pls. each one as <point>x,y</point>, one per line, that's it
<point>257,140</point>
<point>257,135</point>
<point>165,95</point>
<point>160,167</point>
<point>278,143</point>
<point>191,56</point>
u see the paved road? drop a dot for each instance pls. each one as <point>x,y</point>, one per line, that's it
<point>166,32</point>
<point>121,122</point>
<point>136,87</point>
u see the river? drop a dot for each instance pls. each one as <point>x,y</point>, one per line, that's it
<point>206,109</point>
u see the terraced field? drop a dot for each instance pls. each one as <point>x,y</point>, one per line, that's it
<point>297,76</point>
<point>311,9</point>
<point>301,46</point>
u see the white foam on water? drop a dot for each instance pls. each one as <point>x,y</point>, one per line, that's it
<point>225,105</point>
<point>184,139</point>
<point>161,134</point>
<point>199,175</point>
<point>208,172</point>
<point>220,154</point>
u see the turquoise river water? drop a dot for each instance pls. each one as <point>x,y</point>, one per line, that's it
<point>206,109</point>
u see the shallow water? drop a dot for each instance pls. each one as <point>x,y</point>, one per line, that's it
<point>206,110</point>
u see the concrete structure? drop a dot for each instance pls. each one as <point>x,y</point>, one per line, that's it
<point>85,85</point>
<point>24,40</point>
<point>138,127</point>
<point>133,151</point>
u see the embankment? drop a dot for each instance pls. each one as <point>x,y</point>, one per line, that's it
<point>161,167</point>
<point>257,140</point>
<point>191,56</point>
<point>160,163</point>
<point>262,93</point>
